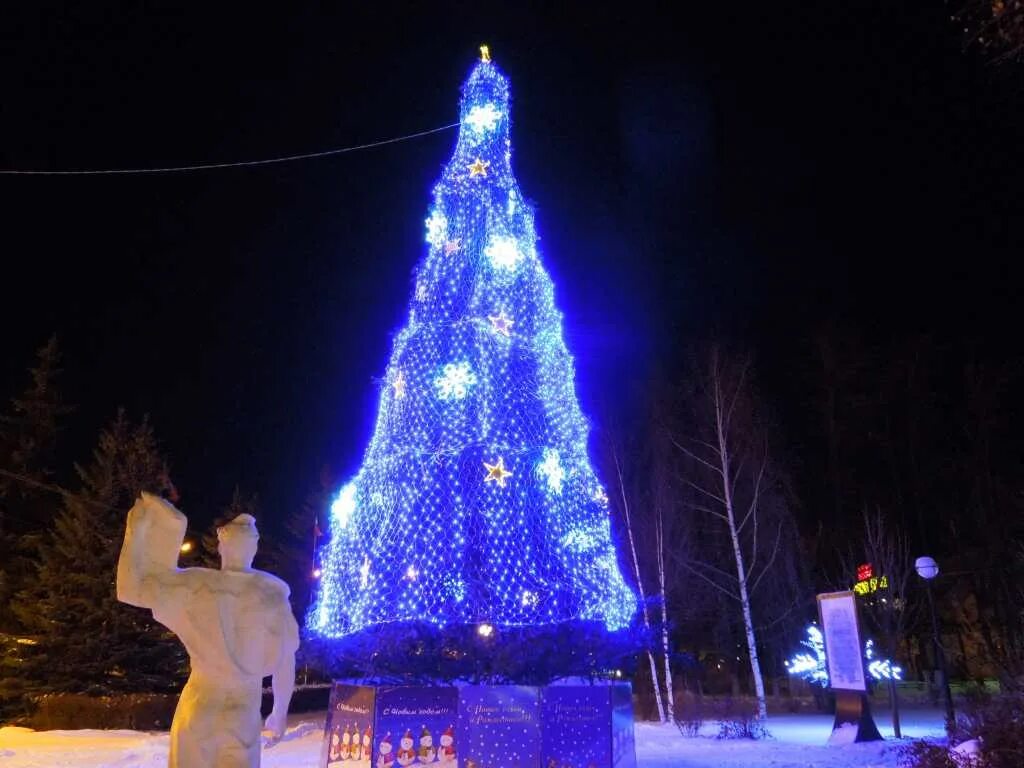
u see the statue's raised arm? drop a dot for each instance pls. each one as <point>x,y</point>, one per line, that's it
<point>148,563</point>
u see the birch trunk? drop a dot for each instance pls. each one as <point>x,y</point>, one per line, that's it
<point>640,588</point>
<point>665,643</point>
<point>737,549</point>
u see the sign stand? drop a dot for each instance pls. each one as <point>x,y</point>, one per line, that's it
<point>844,651</point>
<point>853,712</point>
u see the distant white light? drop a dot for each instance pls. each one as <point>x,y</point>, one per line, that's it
<point>485,630</point>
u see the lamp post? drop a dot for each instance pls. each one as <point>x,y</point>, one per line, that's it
<point>928,569</point>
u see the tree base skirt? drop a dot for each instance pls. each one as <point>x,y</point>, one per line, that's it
<point>479,726</point>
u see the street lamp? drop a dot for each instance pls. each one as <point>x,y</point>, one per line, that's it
<point>928,569</point>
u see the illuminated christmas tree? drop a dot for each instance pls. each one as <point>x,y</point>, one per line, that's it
<point>476,508</point>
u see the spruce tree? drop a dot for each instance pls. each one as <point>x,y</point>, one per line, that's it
<point>28,433</point>
<point>28,439</point>
<point>79,637</point>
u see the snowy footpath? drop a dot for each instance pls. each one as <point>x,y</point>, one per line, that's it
<point>798,741</point>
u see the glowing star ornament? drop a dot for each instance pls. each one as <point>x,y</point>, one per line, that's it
<point>485,54</point>
<point>467,403</point>
<point>501,323</point>
<point>496,473</point>
<point>454,381</point>
<point>478,168</point>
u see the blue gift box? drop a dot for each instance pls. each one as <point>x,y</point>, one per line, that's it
<point>488,726</point>
<point>415,726</point>
<point>499,726</point>
<point>348,732</point>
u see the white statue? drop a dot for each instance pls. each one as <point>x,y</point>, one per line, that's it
<point>235,623</point>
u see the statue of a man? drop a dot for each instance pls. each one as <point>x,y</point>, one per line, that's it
<point>235,623</point>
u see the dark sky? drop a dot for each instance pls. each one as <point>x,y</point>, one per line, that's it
<point>757,170</point>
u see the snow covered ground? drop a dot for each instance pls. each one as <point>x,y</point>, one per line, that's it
<point>798,742</point>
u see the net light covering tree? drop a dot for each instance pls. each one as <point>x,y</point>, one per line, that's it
<point>476,502</point>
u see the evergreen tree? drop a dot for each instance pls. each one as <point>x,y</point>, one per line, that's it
<point>28,438</point>
<point>28,434</point>
<point>476,528</point>
<point>79,637</point>
<point>292,551</point>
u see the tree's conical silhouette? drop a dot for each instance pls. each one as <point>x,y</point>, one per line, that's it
<point>476,503</point>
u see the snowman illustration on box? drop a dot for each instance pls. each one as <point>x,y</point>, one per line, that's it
<point>385,753</point>
<point>406,754</point>
<point>427,753</point>
<point>446,750</point>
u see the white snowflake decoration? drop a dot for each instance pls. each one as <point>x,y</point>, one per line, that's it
<point>551,469</point>
<point>437,227</point>
<point>504,253</point>
<point>483,118</point>
<point>344,505</point>
<point>454,381</point>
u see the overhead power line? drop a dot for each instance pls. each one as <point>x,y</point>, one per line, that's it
<point>217,166</point>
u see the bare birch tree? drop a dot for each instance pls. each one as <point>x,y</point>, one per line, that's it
<point>638,575</point>
<point>730,482</point>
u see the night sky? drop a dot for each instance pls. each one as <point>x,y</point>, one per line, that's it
<point>755,172</point>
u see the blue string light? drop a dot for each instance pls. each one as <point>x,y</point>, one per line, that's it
<point>476,502</point>
<point>812,666</point>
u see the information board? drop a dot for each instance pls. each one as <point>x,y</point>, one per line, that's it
<point>843,647</point>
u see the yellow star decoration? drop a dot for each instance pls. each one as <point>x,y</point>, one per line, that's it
<point>399,384</point>
<point>500,323</point>
<point>485,53</point>
<point>478,168</point>
<point>452,246</point>
<point>497,472</point>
